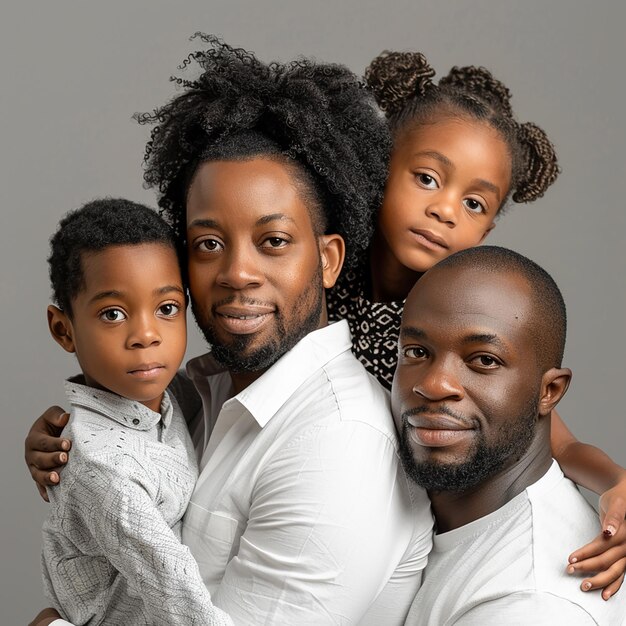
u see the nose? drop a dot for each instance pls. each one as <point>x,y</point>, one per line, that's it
<point>443,208</point>
<point>240,268</point>
<point>144,332</point>
<point>439,381</point>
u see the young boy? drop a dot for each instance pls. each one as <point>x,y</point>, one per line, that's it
<point>111,543</point>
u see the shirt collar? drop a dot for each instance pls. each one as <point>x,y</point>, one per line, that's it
<point>264,397</point>
<point>130,413</point>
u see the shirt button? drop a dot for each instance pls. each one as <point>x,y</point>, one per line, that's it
<point>135,421</point>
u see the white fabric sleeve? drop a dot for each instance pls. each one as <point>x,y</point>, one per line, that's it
<point>527,607</point>
<point>321,527</point>
<point>138,542</point>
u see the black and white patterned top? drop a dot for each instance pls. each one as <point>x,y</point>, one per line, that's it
<point>375,326</point>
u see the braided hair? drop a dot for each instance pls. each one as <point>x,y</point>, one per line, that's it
<point>316,117</point>
<point>402,85</point>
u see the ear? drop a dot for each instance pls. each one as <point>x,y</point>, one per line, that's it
<point>554,384</point>
<point>489,229</point>
<point>332,253</point>
<point>61,328</point>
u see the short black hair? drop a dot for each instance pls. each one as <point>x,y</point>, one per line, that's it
<point>317,117</point>
<point>550,315</point>
<point>403,87</point>
<point>96,226</point>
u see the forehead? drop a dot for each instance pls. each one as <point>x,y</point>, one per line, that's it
<point>245,190</point>
<point>146,263</point>
<point>450,304</point>
<point>469,144</point>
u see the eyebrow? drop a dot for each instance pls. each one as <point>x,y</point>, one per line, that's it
<point>159,291</point>
<point>266,219</point>
<point>485,184</point>
<point>411,332</point>
<point>488,338</point>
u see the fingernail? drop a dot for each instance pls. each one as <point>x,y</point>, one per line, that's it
<point>63,457</point>
<point>54,477</point>
<point>586,586</point>
<point>606,595</point>
<point>573,559</point>
<point>609,531</point>
<point>65,444</point>
<point>570,570</point>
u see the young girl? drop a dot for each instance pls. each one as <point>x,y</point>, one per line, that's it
<point>458,156</point>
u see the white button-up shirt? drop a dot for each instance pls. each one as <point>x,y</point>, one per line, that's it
<point>302,513</point>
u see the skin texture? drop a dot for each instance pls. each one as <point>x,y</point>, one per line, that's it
<point>469,379</point>
<point>128,326</point>
<point>253,253</point>
<point>447,180</point>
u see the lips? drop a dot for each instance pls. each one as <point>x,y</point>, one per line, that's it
<point>429,239</point>
<point>437,430</point>
<point>147,371</point>
<point>242,320</point>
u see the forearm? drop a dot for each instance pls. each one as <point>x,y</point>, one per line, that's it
<point>583,463</point>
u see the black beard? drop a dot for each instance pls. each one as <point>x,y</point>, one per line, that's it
<point>481,464</point>
<point>237,357</point>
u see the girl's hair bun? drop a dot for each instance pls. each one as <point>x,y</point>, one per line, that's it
<point>479,82</point>
<point>395,77</point>
<point>541,166</point>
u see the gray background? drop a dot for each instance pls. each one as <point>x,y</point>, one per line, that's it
<point>74,72</point>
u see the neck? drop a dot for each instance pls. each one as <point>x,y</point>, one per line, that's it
<point>390,280</point>
<point>455,509</point>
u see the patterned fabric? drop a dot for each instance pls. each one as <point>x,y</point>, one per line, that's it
<point>111,543</point>
<point>375,326</point>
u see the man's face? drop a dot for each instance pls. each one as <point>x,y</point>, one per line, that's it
<point>255,268</point>
<point>466,391</point>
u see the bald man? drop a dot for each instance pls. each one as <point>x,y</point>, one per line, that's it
<point>479,371</point>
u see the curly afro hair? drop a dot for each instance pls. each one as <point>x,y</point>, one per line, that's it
<point>402,85</point>
<point>317,117</point>
<point>96,226</point>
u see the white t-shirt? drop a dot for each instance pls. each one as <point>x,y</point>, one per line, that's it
<point>302,513</point>
<point>509,567</point>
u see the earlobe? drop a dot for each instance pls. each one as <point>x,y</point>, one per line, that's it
<point>554,384</point>
<point>332,252</point>
<point>61,328</point>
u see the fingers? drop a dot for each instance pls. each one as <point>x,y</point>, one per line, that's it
<point>56,419</point>
<point>42,492</point>
<point>609,580</point>
<point>613,517</point>
<point>602,544</point>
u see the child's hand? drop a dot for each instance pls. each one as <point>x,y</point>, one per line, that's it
<point>613,508</point>
<point>605,555</point>
<point>45,451</point>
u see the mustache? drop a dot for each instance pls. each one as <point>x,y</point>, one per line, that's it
<point>240,299</point>
<point>440,410</point>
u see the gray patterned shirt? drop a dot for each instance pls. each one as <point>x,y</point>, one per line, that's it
<point>111,543</point>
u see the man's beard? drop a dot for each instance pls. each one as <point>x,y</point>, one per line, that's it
<point>483,461</point>
<point>237,356</point>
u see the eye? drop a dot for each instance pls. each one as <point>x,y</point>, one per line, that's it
<point>169,309</point>
<point>112,315</point>
<point>274,242</point>
<point>485,361</point>
<point>414,352</point>
<point>210,245</point>
<point>426,180</point>
<point>474,205</point>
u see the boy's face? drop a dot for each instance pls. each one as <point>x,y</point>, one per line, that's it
<point>447,181</point>
<point>128,327</point>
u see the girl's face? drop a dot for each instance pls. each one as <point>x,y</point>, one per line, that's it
<point>447,181</point>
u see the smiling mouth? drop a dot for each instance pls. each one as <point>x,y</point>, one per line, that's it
<point>242,321</point>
